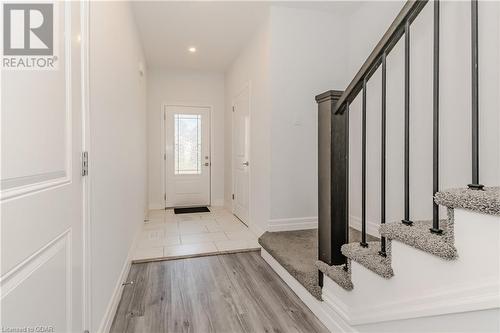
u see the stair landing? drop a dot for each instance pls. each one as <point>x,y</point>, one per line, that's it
<point>297,252</point>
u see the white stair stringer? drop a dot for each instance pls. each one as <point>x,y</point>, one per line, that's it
<point>425,285</point>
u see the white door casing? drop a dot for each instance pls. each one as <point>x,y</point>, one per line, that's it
<point>187,156</point>
<point>241,155</point>
<point>42,268</point>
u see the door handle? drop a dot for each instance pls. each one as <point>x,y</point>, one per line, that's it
<point>246,163</point>
<point>207,164</point>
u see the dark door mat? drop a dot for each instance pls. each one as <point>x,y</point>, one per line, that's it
<point>190,210</point>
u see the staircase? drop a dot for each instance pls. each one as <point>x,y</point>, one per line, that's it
<point>416,268</point>
<point>416,235</point>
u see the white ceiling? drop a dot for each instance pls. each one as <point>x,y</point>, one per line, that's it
<point>219,30</point>
<point>330,6</point>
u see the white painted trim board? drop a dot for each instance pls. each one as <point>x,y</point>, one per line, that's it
<point>329,318</point>
<point>296,223</point>
<point>112,307</point>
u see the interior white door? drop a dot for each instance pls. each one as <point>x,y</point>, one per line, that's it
<point>41,188</point>
<point>241,155</point>
<point>187,138</point>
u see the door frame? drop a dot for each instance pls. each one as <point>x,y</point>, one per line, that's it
<point>246,86</point>
<point>87,180</point>
<point>163,117</point>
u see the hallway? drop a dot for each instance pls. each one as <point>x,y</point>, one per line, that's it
<point>250,166</point>
<point>225,293</point>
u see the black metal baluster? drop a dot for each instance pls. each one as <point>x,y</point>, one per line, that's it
<point>406,219</point>
<point>346,266</point>
<point>363,169</point>
<point>382,155</point>
<point>347,169</point>
<point>435,124</point>
<point>475,185</point>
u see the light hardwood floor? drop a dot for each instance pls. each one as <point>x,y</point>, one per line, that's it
<point>224,293</point>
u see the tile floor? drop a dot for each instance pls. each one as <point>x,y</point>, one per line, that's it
<point>166,235</point>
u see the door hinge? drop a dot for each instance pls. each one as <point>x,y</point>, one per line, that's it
<point>233,108</point>
<point>85,163</point>
<point>165,156</point>
<point>233,196</point>
<point>164,196</point>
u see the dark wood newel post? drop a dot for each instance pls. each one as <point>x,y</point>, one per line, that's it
<point>332,179</point>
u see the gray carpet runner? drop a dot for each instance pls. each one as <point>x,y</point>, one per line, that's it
<point>418,236</point>
<point>370,257</point>
<point>486,201</point>
<point>297,252</point>
<point>338,273</point>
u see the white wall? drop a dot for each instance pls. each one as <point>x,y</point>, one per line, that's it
<point>307,58</point>
<point>118,147</point>
<point>301,53</point>
<point>455,106</point>
<point>252,67</point>
<point>184,87</point>
<point>291,59</point>
<point>365,30</point>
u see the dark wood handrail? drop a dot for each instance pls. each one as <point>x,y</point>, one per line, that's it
<point>409,12</point>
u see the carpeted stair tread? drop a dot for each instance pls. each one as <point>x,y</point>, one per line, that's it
<point>337,273</point>
<point>297,252</point>
<point>370,257</point>
<point>485,201</point>
<point>418,236</point>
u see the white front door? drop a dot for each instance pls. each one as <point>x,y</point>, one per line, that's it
<point>241,155</point>
<point>41,188</point>
<point>187,162</point>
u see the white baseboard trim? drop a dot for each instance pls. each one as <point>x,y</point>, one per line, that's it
<point>482,295</point>
<point>109,315</point>
<point>296,223</point>
<point>329,318</point>
<point>217,202</point>
<point>302,223</point>
<point>257,230</point>
<point>371,227</point>
<point>154,206</point>
<point>228,205</point>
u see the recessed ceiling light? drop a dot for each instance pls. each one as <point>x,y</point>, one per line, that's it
<point>192,49</point>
